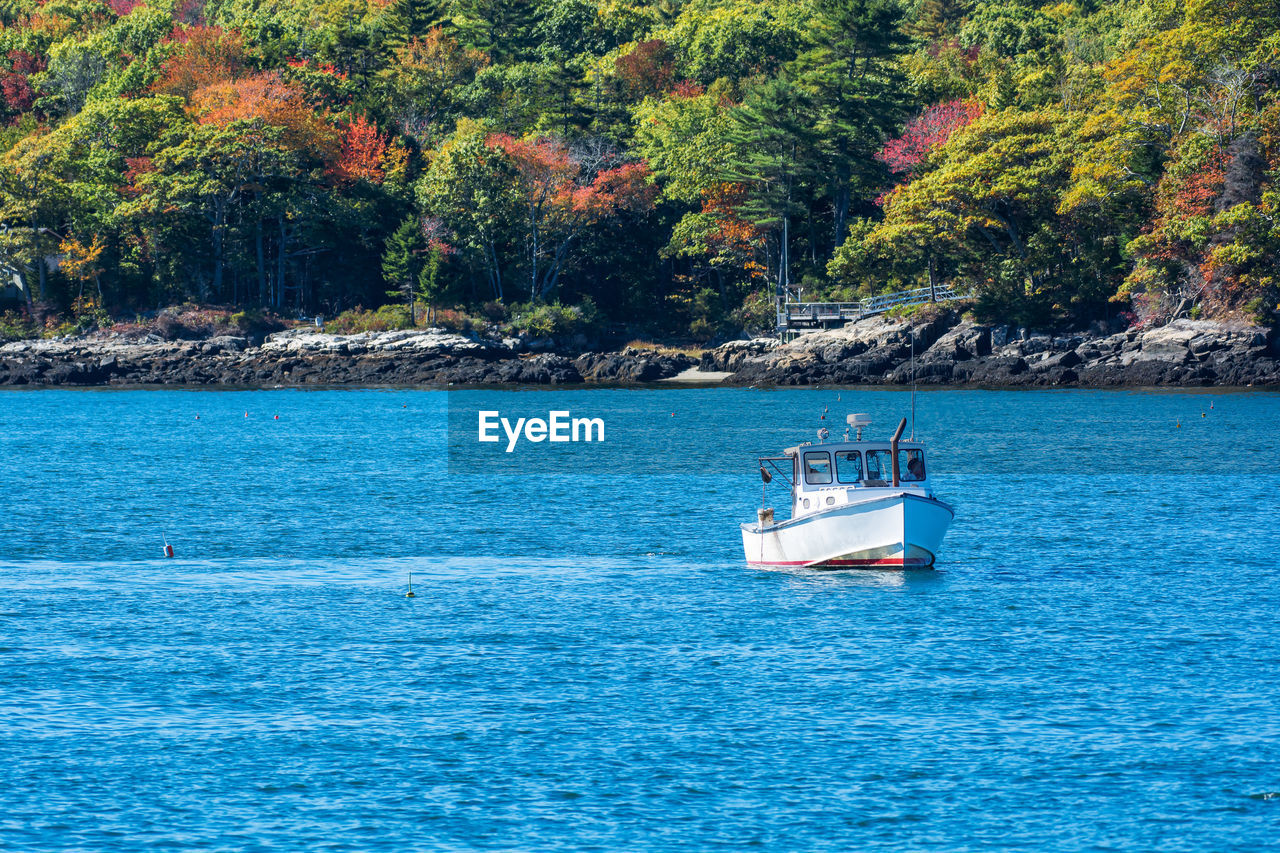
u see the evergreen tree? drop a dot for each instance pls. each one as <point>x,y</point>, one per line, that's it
<point>402,264</point>
<point>859,95</point>
<point>772,136</point>
<point>407,19</point>
<point>504,29</point>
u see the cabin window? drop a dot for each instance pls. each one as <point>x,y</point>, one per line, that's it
<point>879,468</point>
<point>848,466</point>
<point>817,469</point>
<point>911,465</point>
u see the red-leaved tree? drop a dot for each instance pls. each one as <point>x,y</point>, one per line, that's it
<point>14,86</point>
<point>649,69</point>
<point>927,132</point>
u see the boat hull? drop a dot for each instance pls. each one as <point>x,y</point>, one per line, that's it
<point>899,530</point>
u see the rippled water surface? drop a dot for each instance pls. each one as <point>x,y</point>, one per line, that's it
<point>588,663</point>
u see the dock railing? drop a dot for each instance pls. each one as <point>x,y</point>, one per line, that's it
<point>812,315</point>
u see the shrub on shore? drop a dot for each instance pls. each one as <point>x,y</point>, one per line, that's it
<point>356,320</point>
<point>17,326</point>
<point>551,320</point>
<point>254,323</point>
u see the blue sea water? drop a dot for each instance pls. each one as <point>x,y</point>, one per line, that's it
<point>589,665</point>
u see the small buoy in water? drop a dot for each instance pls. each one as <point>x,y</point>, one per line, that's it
<point>246,414</point>
<point>1203,415</point>
<point>277,417</point>
<point>1179,423</point>
<point>673,414</point>
<point>410,594</point>
<point>168,549</point>
<point>197,417</point>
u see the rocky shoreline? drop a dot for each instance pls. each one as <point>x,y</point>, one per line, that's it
<point>948,351</point>
<point>308,358</point>
<point>952,351</point>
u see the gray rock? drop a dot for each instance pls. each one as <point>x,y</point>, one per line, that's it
<point>631,365</point>
<point>731,355</point>
<point>997,371</point>
<point>1051,362</point>
<point>965,341</point>
<point>230,343</point>
<point>1036,343</point>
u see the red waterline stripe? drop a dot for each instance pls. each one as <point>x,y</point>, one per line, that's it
<point>882,562</point>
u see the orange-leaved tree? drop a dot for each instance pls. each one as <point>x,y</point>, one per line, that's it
<point>202,56</point>
<point>565,190</point>
<point>267,99</point>
<point>363,149</point>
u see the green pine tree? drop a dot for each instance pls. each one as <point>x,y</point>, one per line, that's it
<point>402,264</point>
<point>407,19</point>
<point>430,286</point>
<point>851,72</point>
<point>772,138</point>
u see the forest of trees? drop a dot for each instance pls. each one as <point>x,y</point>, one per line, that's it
<point>671,164</point>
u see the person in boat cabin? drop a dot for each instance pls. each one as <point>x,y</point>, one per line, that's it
<point>915,467</point>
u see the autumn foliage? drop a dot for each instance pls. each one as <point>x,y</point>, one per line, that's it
<point>15,85</point>
<point>563,191</point>
<point>734,240</point>
<point>628,187</point>
<point>123,7</point>
<point>202,57</point>
<point>135,168</point>
<point>552,176</point>
<point>267,99</point>
<point>1064,161</point>
<point>362,151</point>
<point>926,133</point>
<point>648,69</point>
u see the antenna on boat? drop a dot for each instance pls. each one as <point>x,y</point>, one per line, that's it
<point>913,384</point>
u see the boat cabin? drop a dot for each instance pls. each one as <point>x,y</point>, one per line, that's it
<point>829,474</point>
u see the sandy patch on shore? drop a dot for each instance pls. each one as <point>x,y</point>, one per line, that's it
<point>698,377</point>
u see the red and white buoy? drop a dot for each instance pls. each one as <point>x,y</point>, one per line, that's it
<point>168,549</point>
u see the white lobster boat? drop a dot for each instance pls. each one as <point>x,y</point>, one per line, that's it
<point>854,504</point>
